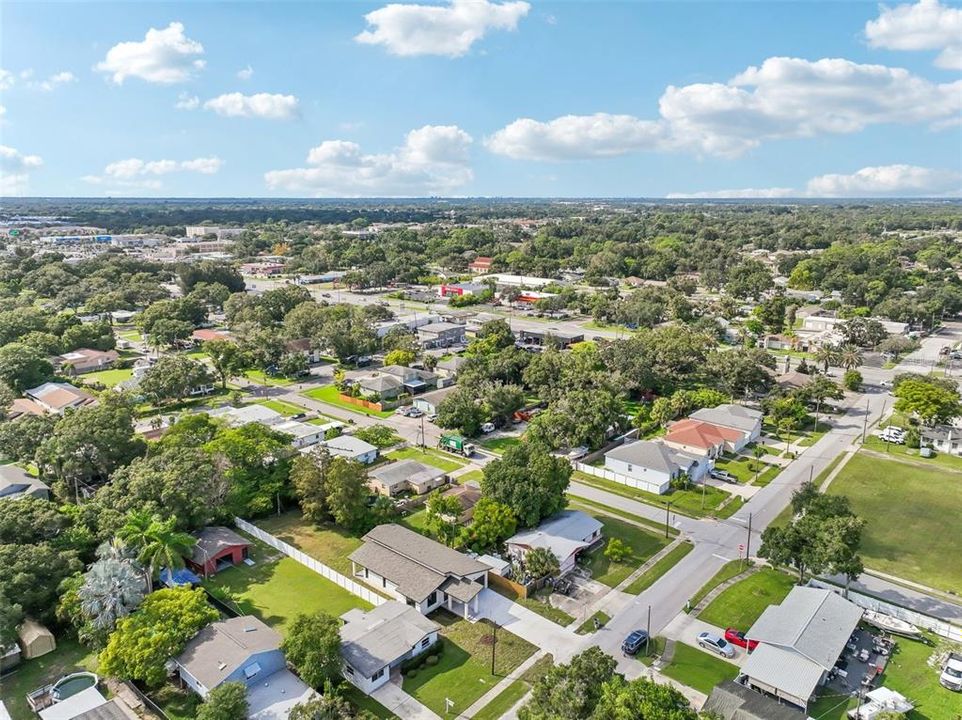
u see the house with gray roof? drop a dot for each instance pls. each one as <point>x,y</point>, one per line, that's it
<point>429,401</point>
<point>441,334</point>
<point>414,380</point>
<point>406,475</point>
<point>419,571</point>
<point>731,701</point>
<point>736,417</point>
<point>350,447</point>
<point>799,642</point>
<point>375,643</point>
<point>651,465</point>
<point>385,386</point>
<point>567,534</point>
<point>15,483</point>
<point>943,438</point>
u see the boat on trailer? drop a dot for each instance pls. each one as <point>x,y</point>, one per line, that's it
<point>891,624</point>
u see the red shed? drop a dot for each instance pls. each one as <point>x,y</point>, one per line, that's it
<point>217,548</point>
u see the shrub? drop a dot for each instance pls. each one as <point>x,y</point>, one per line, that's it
<point>852,380</point>
<point>412,673</point>
<point>432,660</point>
<point>912,438</point>
<point>617,550</point>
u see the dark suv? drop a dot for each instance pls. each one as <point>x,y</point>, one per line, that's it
<point>634,642</point>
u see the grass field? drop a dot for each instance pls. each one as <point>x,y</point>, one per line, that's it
<point>499,444</point>
<point>538,604</point>
<point>262,379</point>
<point>745,468</point>
<point>740,605</point>
<point>907,510</point>
<point>470,476</point>
<point>108,378</point>
<point>463,673</point>
<point>643,545</point>
<point>283,407</point>
<point>685,502</point>
<point>588,626</point>
<point>326,543</point>
<point>951,462</point>
<point>70,656</point>
<point>698,669</point>
<point>508,697</point>
<point>580,503</point>
<point>435,458</point>
<point>332,396</point>
<point>727,572</point>
<point>278,590</point>
<point>909,673</point>
<point>654,573</point>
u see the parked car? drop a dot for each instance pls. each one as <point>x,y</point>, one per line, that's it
<point>415,413</point>
<point>487,428</point>
<point>737,637</point>
<point>577,453</point>
<point>951,676</point>
<point>634,642</point>
<point>723,475</point>
<point>716,644</point>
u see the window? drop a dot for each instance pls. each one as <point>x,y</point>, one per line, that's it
<point>425,642</point>
<point>630,468</point>
<point>251,670</point>
<point>433,598</point>
<point>411,602</point>
<point>349,669</point>
<point>378,674</point>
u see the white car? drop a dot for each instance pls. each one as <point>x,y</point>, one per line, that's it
<point>577,453</point>
<point>716,644</point>
<point>487,428</point>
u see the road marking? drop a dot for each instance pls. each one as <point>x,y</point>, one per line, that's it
<point>721,557</point>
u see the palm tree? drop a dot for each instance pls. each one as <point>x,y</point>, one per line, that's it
<point>850,357</point>
<point>157,541</point>
<point>113,588</point>
<point>826,355</point>
<point>758,452</point>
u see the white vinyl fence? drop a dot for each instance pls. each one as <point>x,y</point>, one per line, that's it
<point>652,487</point>
<point>926,622</point>
<point>320,568</point>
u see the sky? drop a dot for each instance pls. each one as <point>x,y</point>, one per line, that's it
<point>481,98</point>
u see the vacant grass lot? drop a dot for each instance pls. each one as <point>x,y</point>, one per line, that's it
<point>654,573</point>
<point>908,511</point>
<point>277,589</point>
<point>283,407</point>
<point>951,462</point>
<point>463,673</point>
<point>500,444</point>
<point>108,378</point>
<point>70,656</point>
<point>685,502</point>
<point>435,458</point>
<point>698,669</point>
<point>580,503</point>
<point>327,543</point>
<point>642,543</point>
<point>740,605</point>
<point>332,396</point>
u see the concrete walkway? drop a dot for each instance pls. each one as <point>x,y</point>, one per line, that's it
<point>527,624</point>
<point>401,704</point>
<point>500,687</point>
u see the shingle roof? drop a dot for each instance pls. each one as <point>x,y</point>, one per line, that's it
<point>15,482</point>
<point>653,455</point>
<point>730,415</point>
<point>108,711</point>
<point>732,701</point>
<point>247,414</point>
<point>223,646</point>
<point>213,540</point>
<point>564,534</point>
<point>405,471</point>
<point>348,446</point>
<point>698,433</point>
<point>370,640</point>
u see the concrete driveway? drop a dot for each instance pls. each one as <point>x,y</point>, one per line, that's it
<point>401,704</point>
<point>526,624</point>
<point>685,628</point>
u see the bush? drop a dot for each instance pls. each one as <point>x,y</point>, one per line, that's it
<point>852,380</point>
<point>431,661</point>
<point>617,550</point>
<point>912,438</point>
<point>412,673</point>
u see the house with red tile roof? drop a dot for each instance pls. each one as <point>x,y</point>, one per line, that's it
<point>701,438</point>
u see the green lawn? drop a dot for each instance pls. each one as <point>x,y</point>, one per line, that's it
<point>278,590</point>
<point>685,502</point>
<point>510,696</point>
<point>588,626</point>
<point>643,545</point>
<point>148,409</point>
<point>727,572</point>
<point>654,573</point>
<point>463,673</point>
<point>435,458</point>
<point>417,521</point>
<point>499,444</point>
<point>283,407</point>
<point>108,378</point>
<point>327,543</point>
<point>177,703</point>
<point>907,511</point>
<point>70,656</point>
<point>740,605</point>
<point>909,673</point>
<point>745,468</point>
<point>698,669</point>
<point>365,702</point>
<point>580,503</point>
<point>873,442</point>
<point>538,603</point>
<point>275,380</point>
<point>332,396</point>
<point>470,476</point>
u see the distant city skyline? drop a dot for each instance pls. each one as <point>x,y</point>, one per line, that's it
<point>481,98</point>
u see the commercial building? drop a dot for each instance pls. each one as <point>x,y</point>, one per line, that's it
<point>441,334</point>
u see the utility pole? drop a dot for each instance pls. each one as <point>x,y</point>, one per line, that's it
<point>748,543</point>
<point>667,517</point>
<point>648,631</point>
<point>494,644</point>
<point>818,407</point>
<point>865,422</point>
<point>421,433</point>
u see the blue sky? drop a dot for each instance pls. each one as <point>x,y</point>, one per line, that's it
<point>477,97</point>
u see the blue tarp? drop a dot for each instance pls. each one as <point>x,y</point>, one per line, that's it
<point>183,576</point>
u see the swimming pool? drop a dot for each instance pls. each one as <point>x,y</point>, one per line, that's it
<point>72,684</point>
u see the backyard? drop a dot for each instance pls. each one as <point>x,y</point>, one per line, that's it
<point>642,544</point>
<point>907,509</point>
<point>327,543</point>
<point>277,589</point>
<point>695,502</point>
<point>70,656</point>
<point>499,444</point>
<point>698,669</point>
<point>108,378</point>
<point>332,396</point>
<point>740,605</point>
<point>435,458</point>
<point>463,673</point>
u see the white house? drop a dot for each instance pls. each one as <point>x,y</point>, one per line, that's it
<point>651,465</point>
<point>735,417</point>
<point>351,448</point>
<point>237,416</point>
<point>944,439</point>
<point>303,434</point>
<point>373,643</point>
<point>419,571</point>
<point>565,535</point>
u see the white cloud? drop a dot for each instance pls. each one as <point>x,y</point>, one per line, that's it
<point>886,180</point>
<point>186,101</point>
<point>3,110</point>
<point>782,98</point>
<point>164,56</point>
<point>925,25</point>
<point>55,80</point>
<point>246,73</point>
<point>15,168</point>
<point>877,181</point>
<point>261,105</point>
<point>774,192</point>
<point>434,159</point>
<point>137,173</point>
<point>202,165</point>
<point>7,79</point>
<point>576,136</point>
<point>409,30</point>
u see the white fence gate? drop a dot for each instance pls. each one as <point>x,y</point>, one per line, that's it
<point>320,568</point>
<point>926,622</point>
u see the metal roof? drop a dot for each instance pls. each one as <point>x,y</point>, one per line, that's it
<point>405,471</point>
<point>788,671</point>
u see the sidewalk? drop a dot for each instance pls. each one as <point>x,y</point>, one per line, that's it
<point>491,694</point>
